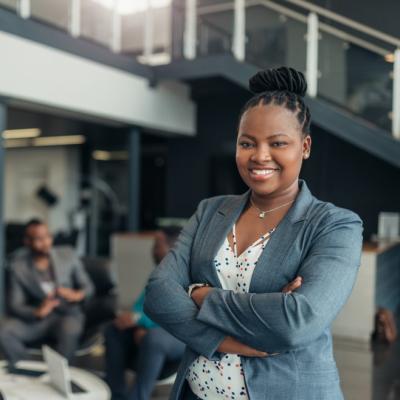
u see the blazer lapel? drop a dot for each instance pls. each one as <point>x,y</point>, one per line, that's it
<point>219,227</point>
<point>269,272</point>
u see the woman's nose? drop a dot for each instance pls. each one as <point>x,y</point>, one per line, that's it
<point>261,154</point>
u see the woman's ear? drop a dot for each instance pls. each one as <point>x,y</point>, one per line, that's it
<point>307,147</point>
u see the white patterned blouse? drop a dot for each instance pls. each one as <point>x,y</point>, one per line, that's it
<point>225,379</point>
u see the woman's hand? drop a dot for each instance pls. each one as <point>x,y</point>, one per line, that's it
<point>292,286</point>
<point>199,294</point>
<point>232,346</point>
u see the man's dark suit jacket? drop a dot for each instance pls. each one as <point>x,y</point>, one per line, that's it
<point>25,293</point>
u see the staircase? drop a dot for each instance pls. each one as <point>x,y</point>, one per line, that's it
<point>353,71</point>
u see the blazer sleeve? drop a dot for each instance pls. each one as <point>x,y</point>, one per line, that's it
<point>278,322</point>
<point>167,301</point>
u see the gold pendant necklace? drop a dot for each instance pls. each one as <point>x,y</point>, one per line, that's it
<point>261,213</point>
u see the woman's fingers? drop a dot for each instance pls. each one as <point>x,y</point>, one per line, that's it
<point>292,286</point>
<point>248,351</point>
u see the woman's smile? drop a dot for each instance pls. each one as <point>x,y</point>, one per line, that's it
<point>262,174</point>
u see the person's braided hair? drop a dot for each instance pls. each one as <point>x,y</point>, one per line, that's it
<point>283,86</point>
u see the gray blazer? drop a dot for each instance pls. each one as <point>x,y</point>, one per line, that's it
<point>25,293</point>
<point>316,240</point>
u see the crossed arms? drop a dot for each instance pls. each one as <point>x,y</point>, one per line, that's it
<point>268,322</point>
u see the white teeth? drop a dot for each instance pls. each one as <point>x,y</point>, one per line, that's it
<point>262,171</point>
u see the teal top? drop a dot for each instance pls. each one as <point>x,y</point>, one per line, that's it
<point>143,320</point>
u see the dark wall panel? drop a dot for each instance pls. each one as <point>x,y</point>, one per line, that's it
<point>349,177</point>
<point>337,171</point>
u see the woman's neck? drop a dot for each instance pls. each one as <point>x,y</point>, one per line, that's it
<point>267,202</point>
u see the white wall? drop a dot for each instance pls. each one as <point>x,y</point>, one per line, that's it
<point>132,259</point>
<point>27,169</point>
<point>42,75</point>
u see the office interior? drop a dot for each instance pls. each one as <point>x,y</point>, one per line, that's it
<point>119,117</point>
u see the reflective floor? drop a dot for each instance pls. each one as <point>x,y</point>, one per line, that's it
<point>369,373</point>
<point>366,373</point>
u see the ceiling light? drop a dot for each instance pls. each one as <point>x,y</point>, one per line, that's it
<point>21,133</point>
<point>102,155</point>
<point>131,6</point>
<point>155,59</point>
<point>15,143</point>
<point>389,57</point>
<point>59,140</point>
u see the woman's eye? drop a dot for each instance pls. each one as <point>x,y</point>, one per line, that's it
<point>245,145</point>
<point>279,144</point>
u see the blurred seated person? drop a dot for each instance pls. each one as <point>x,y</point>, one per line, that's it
<point>46,288</point>
<point>134,339</point>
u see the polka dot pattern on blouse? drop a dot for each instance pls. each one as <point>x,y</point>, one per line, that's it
<point>224,379</point>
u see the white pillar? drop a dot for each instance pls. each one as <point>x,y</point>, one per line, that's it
<point>396,95</point>
<point>239,33</point>
<point>24,8</point>
<point>190,34</point>
<point>116,29</point>
<point>75,18</point>
<point>148,39</point>
<point>312,55</point>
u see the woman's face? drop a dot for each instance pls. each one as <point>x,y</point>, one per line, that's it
<point>270,149</point>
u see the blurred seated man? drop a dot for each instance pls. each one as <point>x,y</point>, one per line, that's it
<point>47,286</point>
<point>134,337</point>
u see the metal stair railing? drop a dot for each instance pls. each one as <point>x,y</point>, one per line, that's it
<point>376,99</point>
<point>331,41</point>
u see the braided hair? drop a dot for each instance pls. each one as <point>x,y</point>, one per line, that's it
<point>283,86</point>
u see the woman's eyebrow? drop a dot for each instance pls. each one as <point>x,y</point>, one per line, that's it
<point>277,134</point>
<point>268,137</point>
<point>247,135</point>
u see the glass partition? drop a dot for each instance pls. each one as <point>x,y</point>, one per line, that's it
<point>132,35</point>
<point>178,13</point>
<point>214,28</point>
<point>162,29</point>
<point>52,12</point>
<point>134,28</point>
<point>273,40</point>
<point>96,20</point>
<point>10,4</point>
<point>355,78</point>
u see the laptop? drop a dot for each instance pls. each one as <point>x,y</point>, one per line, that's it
<point>59,373</point>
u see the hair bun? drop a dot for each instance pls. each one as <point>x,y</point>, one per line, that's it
<point>283,79</point>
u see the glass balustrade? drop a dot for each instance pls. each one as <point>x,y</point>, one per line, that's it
<point>355,78</point>
<point>178,14</point>
<point>273,40</point>
<point>96,21</point>
<point>146,33</point>
<point>9,4</point>
<point>132,32</point>
<point>52,12</point>
<point>214,27</point>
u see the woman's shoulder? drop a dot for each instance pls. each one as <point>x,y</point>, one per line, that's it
<point>222,201</point>
<point>323,212</point>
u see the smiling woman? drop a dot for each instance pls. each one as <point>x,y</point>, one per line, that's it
<point>256,280</point>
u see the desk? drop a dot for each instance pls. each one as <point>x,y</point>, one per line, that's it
<point>14,387</point>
